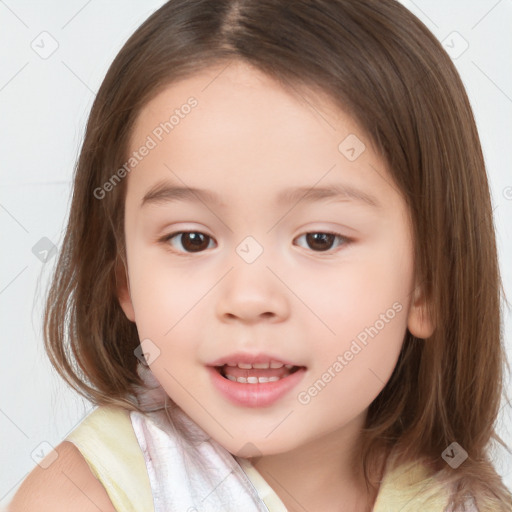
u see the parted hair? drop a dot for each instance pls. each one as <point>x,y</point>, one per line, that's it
<point>382,66</point>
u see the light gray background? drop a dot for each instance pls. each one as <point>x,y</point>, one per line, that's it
<point>45,103</point>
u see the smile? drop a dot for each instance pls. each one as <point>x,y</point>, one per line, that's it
<point>255,387</point>
<point>258,373</point>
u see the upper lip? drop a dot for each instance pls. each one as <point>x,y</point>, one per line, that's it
<point>247,358</point>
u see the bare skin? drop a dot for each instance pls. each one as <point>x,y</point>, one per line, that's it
<point>67,485</point>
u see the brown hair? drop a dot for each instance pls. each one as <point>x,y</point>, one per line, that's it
<point>383,67</point>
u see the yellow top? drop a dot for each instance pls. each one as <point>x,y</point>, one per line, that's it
<point>108,443</point>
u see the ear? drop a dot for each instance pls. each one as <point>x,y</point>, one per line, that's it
<point>123,290</point>
<point>419,321</point>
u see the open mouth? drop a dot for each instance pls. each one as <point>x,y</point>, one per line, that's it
<point>256,373</point>
<point>256,384</point>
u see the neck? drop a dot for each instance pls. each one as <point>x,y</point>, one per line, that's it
<point>325,474</point>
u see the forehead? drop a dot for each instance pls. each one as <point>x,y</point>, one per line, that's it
<point>236,90</point>
<point>235,129</point>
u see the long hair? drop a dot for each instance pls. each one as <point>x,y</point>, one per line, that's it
<point>382,66</point>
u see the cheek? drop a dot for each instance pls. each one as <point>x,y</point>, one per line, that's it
<point>162,296</point>
<point>164,312</point>
<point>356,295</point>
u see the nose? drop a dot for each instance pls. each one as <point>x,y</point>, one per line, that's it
<point>252,293</point>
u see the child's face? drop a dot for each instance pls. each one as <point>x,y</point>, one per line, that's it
<point>250,279</point>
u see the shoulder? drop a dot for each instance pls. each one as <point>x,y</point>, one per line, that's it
<point>67,484</point>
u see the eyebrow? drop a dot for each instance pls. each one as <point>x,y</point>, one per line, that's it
<point>165,192</point>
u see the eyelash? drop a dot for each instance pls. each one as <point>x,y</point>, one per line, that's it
<point>166,239</point>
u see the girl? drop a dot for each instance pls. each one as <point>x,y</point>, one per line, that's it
<point>279,279</point>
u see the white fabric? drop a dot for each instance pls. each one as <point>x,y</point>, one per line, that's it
<point>188,470</point>
<point>192,473</point>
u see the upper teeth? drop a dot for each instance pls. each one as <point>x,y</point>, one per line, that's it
<point>271,364</point>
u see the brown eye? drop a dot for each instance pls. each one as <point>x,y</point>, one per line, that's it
<point>321,242</point>
<point>190,241</point>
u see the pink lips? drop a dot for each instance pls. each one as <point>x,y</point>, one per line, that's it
<point>260,394</point>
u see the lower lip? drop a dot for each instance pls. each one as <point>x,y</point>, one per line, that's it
<point>255,395</point>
